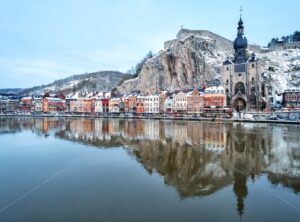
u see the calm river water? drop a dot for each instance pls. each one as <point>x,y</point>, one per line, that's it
<point>54,169</point>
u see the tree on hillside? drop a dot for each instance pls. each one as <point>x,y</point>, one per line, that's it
<point>138,67</point>
<point>296,36</point>
<point>289,38</point>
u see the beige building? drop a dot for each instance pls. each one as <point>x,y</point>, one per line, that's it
<point>180,102</point>
<point>194,102</point>
<point>114,105</point>
<point>242,79</point>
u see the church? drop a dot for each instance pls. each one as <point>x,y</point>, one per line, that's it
<point>242,79</point>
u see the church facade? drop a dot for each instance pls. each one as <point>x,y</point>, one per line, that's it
<point>242,79</point>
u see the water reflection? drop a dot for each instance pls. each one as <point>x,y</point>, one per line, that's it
<point>197,159</point>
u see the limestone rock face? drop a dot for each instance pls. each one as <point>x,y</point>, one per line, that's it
<point>191,60</point>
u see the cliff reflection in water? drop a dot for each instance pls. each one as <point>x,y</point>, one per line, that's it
<point>196,158</point>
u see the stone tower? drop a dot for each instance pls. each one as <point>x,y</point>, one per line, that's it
<point>242,79</point>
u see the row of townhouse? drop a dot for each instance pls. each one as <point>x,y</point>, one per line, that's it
<point>88,103</point>
<point>193,101</point>
<point>42,103</point>
<point>180,102</point>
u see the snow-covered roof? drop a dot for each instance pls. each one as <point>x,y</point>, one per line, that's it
<point>152,95</point>
<point>214,90</point>
<point>107,95</point>
<point>141,96</point>
<point>51,99</point>
<point>27,98</point>
<point>114,99</point>
<point>292,90</point>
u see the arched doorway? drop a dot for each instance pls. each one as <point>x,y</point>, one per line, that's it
<point>239,104</point>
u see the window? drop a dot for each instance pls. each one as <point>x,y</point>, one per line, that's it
<point>253,65</point>
<point>287,97</point>
<point>239,87</point>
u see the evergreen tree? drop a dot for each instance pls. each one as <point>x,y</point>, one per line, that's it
<point>296,36</point>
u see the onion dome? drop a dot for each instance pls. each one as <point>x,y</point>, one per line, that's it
<point>240,41</point>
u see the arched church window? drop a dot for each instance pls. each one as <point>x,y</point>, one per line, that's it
<point>253,65</point>
<point>227,68</point>
<point>252,79</point>
<point>227,81</point>
<point>239,87</point>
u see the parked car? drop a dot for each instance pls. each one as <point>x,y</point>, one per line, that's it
<point>273,117</point>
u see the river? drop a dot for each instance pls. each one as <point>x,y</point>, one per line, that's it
<point>81,169</point>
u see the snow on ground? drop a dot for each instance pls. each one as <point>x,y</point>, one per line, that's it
<point>70,84</point>
<point>282,66</point>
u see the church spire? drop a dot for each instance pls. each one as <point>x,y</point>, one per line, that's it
<point>240,24</point>
<point>240,43</point>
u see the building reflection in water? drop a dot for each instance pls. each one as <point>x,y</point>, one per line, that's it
<point>196,158</point>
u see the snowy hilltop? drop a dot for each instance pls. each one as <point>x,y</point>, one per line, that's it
<point>97,81</point>
<point>194,59</point>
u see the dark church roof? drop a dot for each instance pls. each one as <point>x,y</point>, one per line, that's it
<point>240,41</point>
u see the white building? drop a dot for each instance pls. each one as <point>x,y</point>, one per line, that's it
<point>98,105</point>
<point>151,104</point>
<point>37,105</point>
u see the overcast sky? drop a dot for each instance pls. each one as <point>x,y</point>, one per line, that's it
<point>45,40</point>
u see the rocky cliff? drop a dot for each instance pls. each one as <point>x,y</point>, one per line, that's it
<point>192,59</point>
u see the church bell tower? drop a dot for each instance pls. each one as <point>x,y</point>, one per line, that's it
<point>242,78</point>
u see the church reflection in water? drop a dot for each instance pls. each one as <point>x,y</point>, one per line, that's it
<point>196,158</point>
